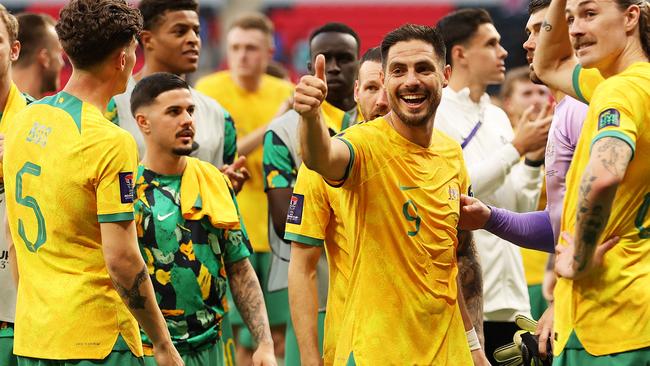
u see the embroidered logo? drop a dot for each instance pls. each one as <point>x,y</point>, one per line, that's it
<point>126,187</point>
<point>294,215</point>
<point>609,117</point>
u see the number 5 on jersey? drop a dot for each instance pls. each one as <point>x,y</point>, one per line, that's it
<point>30,202</point>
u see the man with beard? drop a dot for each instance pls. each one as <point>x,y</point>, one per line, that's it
<point>493,154</point>
<point>400,181</point>
<point>340,45</point>
<point>189,230</point>
<point>38,69</point>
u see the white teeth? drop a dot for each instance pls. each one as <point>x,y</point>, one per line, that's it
<point>412,97</point>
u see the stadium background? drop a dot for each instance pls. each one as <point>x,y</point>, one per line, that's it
<point>294,20</point>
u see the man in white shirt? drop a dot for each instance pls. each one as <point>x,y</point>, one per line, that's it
<point>493,154</point>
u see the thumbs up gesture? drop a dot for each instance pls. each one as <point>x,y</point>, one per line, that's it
<point>311,91</point>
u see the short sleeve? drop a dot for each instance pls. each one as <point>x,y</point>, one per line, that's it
<point>355,142</point>
<point>115,177</point>
<point>309,209</point>
<point>279,167</point>
<point>229,139</point>
<point>617,113</point>
<point>235,244</point>
<point>585,82</point>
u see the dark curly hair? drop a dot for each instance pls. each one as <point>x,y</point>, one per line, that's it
<point>90,30</point>
<point>153,10</point>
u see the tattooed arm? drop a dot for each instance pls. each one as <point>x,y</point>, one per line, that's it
<point>247,293</point>
<point>605,171</point>
<point>554,61</point>
<point>471,280</point>
<point>131,280</point>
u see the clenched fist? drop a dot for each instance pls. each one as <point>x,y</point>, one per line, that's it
<point>311,91</point>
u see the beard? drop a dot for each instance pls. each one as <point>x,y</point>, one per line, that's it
<point>182,151</point>
<point>422,117</point>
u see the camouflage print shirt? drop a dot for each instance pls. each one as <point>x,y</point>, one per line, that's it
<point>186,261</point>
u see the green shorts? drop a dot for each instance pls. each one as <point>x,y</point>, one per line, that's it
<point>538,303</point>
<point>291,350</point>
<point>277,302</point>
<point>7,357</point>
<point>228,343</point>
<point>208,356</point>
<point>575,355</point>
<point>120,356</point>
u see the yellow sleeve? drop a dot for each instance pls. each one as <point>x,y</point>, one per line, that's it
<point>115,176</point>
<point>618,111</point>
<point>585,82</point>
<point>309,211</point>
<point>354,138</point>
<point>465,183</point>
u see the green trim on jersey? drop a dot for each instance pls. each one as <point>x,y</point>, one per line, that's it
<point>116,217</point>
<point>576,83</point>
<point>348,168</point>
<point>618,135</point>
<point>111,112</point>
<point>302,239</point>
<point>229,139</point>
<point>68,102</point>
<point>279,167</point>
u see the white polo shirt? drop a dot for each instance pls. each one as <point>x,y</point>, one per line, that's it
<point>499,178</point>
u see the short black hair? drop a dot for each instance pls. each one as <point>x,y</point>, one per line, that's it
<point>91,30</point>
<point>458,27</point>
<point>153,10</point>
<point>336,28</point>
<point>409,32</point>
<point>150,87</point>
<point>31,35</point>
<point>372,54</point>
<point>536,5</point>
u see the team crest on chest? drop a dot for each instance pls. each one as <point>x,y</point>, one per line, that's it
<point>453,193</point>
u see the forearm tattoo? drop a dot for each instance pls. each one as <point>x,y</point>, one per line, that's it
<point>471,279</point>
<point>247,294</point>
<point>132,296</point>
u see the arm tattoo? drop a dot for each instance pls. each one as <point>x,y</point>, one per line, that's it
<point>471,279</point>
<point>547,26</point>
<point>593,213</point>
<point>132,296</point>
<point>248,296</point>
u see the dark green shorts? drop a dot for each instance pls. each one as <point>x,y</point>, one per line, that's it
<point>575,355</point>
<point>7,357</point>
<point>209,356</point>
<point>277,302</point>
<point>538,303</point>
<point>120,356</point>
<point>229,348</point>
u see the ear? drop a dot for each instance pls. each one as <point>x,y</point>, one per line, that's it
<point>446,71</point>
<point>147,40</point>
<point>43,58</point>
<point>356,90</point>
<point>458,54</point>
<point>120,60</point>
<point>632,15</point>
<point>15,51</point>
<point>143,123</point>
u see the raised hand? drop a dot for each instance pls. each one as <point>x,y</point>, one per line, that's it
<point>311,91</point>
<point>531,136</point>
<point>237,174</point>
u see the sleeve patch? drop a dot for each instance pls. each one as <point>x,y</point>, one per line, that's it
<point>126,187</point>
<point>609,118</point>
<point>294,215</point>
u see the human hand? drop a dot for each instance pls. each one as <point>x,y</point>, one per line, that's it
<point>264,355</point>
<point>474,214</point>
<point>167,355</point>
<point>531,136</point>
<point>544,331</point>
<point>565,264</point>
<point>311,91</point>
<point>478,356</point>
<point>237,173</point>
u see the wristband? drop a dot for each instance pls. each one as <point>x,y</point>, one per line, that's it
<point>534,163</point>
<point>472,340</point>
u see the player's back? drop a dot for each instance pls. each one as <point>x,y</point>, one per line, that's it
<point>66,170</point>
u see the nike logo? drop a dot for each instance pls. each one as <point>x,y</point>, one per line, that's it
<point>408,188</point>
<point>162,218</point>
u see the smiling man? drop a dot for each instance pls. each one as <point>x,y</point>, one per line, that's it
<point>403,305</point>
<point>493,153</point>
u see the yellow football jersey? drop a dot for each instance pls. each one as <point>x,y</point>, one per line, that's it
<point>615,297</point>
<point>534,260</point>
<point>400,206</point>
<point>585,82</point>
<point>315,219</point>
<point>250,111</point>
<point>67,169</point>
<point>15,103</point>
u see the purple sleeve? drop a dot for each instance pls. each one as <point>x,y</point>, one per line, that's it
<point>530,230</point>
